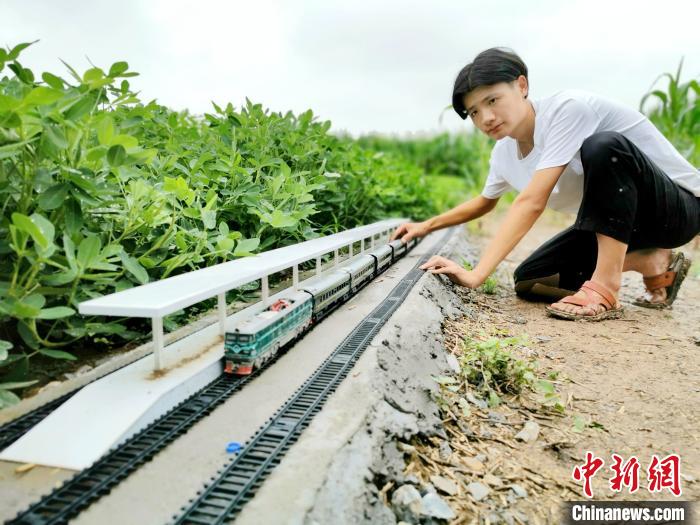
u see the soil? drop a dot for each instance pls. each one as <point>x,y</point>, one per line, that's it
<point>628,386</point>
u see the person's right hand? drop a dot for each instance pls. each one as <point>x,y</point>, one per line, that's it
<point>410,230</point>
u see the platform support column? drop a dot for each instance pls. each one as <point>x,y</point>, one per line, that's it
<point>350,251</point>
<point>295,277</point>
<point>336,258</point>
<point>222,312</point>
<point>318,265</point>
<point>265,290</point>
<point>157,328</point>
<point>362,245</point>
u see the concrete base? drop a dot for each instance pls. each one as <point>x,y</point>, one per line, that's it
<point>110,410</point>
<point>333,474</point>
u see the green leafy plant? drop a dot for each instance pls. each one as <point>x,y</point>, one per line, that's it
<point>490,284</point>
<point>490,367</point>
<point>100,192</point>
<point>677,112</point>
<point>455,165</point>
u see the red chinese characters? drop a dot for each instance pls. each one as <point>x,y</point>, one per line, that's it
<point>662,474</point>
<point>626,474</point>
<point>586,471</point>
<point>665,474</point>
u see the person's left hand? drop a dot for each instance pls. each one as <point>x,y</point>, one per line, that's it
<point>455,272</point>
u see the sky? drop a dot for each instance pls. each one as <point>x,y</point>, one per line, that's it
<point>368,66</point>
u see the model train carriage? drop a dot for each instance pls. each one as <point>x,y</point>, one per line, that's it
<point>361,270</point>
<point>258,338</point>
<point>383,255</point>
<point>399,248</point>
<point>327,290</point>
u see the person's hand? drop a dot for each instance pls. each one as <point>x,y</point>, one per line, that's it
<point>410,230</point>
<point>455,272</point>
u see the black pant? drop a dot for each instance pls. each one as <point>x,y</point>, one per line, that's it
<point>625,196</point>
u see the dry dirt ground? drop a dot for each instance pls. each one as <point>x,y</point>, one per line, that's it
<point>629,387</point>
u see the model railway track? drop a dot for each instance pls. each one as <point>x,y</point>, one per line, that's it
<point>89,485</point>
<point>222,499</point>
<point>15,429</point>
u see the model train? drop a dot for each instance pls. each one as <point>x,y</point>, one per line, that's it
<point>258,338</point>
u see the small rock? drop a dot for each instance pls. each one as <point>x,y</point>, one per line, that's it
<point>529,432</point>
<point>407,503</point>
<point>481,457</point>
<point>518,490</point>
<point>478,490</point>
<point>543,338</point>
<point>696,340</point>
<point>435,507</point>
<point>405,447</point>
<point>494,517</point>
<point>688,478</point>
<point>530,352</point>
<point>507,518</point>
<point>465,428</point>
<point>445,485</point>
<point>486,434</point>
<point>453,363</point>
<point>445,451</point>
<point>519,319</point>
<point>474,464</point>
<point>492,480</point>
<point>412,479</point>
<point>495,417</point>
<point>476,402</point>
<point>427,489</point>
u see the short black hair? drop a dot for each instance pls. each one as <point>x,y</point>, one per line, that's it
<point>498,64</point>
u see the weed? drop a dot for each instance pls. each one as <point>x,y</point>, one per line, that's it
<point>491,367</point>
<point>490,285</point>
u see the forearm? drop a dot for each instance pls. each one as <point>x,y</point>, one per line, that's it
<point>517,222</point>
<point>465,212</point>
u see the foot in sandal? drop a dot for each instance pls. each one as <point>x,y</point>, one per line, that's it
<point>593,302</point>
<point>662,287</point>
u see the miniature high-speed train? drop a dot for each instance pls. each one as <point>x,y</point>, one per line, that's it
<point>258,338</point>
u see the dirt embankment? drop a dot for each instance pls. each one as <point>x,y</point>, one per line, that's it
<point>627,387</point>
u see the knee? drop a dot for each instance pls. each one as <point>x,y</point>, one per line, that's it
<point>519,273</point>
<point>601,146</point>
<point>523,279</point>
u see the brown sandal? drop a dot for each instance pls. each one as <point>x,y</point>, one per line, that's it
<point>613,310</point>
<point>671,280</point>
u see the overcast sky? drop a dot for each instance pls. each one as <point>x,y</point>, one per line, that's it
<point>366,65</point>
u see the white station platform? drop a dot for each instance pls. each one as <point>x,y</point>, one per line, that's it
<point>108,411</point>
<point>112,409</point>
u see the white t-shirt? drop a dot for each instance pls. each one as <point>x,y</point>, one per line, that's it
<point>562,122</point>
